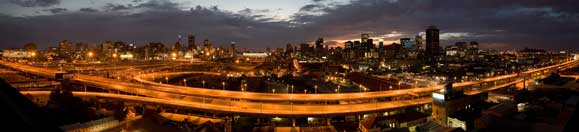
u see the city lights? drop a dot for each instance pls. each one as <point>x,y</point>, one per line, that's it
<point>361,65</point>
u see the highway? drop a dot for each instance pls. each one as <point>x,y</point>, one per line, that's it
<point>251,108</point>
<point>261,103</point>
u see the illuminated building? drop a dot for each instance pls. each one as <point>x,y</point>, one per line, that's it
<point>449,101</point>
<point>365,37</point>
<point>432,41</point>
<point>407,43</point>
<point>419,41</point>
<point>257,55</point>
<point>64,48</point>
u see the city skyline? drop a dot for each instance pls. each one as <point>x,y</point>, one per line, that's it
<point>259,24</point>
<point>289,65</point>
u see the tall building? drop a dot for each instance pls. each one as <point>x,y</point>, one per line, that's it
<point>432,41</point>
<point>64,48</point>
<point>369,44</point>
<point>357,44</point>
<point>473,45</point>
<point>233,50</point>
<point>81,47</point>
<point>191,42</point>
<point>319,43</point>
<point>177,46</point>
<point>365,37</point>
<point>348,45</point>
<point>207,44</point>
<point>289,48</point>
<point>419,41</point>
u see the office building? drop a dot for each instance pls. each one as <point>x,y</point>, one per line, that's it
<point>432,41</point>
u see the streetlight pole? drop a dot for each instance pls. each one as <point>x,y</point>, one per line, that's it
<point>167,80</point>
<point>338,89</point>
<point>185,82</point>
<point>316,89</point>
<point>203,82</point>
<point>223,84</point>
<point>398,84</point>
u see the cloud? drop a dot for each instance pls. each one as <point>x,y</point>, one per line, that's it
<point>56,10</point>
<point>87,10</point>
<point>454,35</point>
<point>160,5</point>
<point>35,3</point>
<point>512,24</point>
<point>159,25</point>
<point>115,7</point>
<point>393,34</point>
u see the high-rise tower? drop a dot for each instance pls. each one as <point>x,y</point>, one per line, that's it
<point>191,42</point>
<point>432,41</point>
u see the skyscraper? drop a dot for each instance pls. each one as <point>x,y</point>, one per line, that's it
<point>348,44</point>
<point>207,44</point>
<point>319,43</point>
<point>191,42</point>
<point>419,42</point>
<point>365,37</point>
<point>289,48</point>
<point>64,48</point>
<point>177,46</point>
<point>432,41</point>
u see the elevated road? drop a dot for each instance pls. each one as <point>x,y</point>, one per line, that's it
<point>252,108</point>
<point>273,104</point>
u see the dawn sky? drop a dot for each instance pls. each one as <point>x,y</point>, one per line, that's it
<point>267,23</point>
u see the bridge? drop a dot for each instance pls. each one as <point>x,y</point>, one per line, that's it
<point>270,104</point>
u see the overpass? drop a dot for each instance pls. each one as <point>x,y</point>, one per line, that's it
<point>278,104</point>
<point>250,108</point>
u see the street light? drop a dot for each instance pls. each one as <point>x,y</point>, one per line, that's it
<point>338,89</point>
<point>167,80</point>
<point>316,89</point>
<point>292,89</point>
<point>398,84</point>
<point>273,91</point>
<point>185,82</point>
<point>203,83</point>
<point>90,54</point>
<point>305,91</point>
<point>223,84</point>
<point>416,83</point>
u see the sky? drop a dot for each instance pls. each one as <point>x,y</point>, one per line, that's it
<point>497,24</point>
